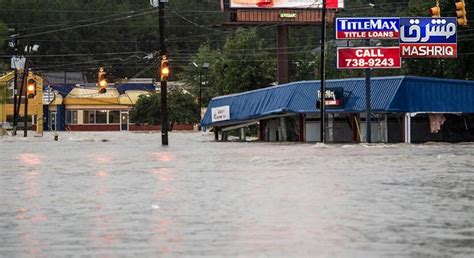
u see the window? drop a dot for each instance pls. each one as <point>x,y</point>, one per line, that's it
<point>71,117</point>
<point>114,117</point>
<point>89,117</point>
<point>101,117</point>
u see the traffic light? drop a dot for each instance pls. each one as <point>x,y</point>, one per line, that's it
<point>461,12</point>
<point>435,11</point>
<point>164,68</point>
<point>102,80</point>
<point>30,87</point>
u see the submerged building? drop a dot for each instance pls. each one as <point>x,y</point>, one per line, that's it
<point>404,109</point>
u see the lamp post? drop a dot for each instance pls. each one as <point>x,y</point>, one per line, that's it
<point>204,66</point>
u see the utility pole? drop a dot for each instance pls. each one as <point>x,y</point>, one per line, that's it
<point>163,83</point>
<point>25,118</point>
<point>16,99</point>
<point>200,98</point>
<point>322,103</point>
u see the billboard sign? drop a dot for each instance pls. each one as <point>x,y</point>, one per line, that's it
<point>367,28</point>
<point>368,57</point>
<point>428,37</point>
<point>299,4</point>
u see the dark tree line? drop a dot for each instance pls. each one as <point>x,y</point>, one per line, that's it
<point>117,34</point>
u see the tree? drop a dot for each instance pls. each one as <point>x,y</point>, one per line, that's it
<point>244,63</point>
<point>182,108</point>
<point>147,110</point>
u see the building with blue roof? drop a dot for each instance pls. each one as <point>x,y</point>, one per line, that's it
<point>405,108</point>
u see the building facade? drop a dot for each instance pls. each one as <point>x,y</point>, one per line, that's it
<point>404,109</point>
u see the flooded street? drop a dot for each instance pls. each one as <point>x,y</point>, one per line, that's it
<point>123,194</point>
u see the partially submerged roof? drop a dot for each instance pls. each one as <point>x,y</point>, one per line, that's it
<point>388,94</point>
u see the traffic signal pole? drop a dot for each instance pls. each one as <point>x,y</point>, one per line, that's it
<point>163,83</point>
<point>25,117</point>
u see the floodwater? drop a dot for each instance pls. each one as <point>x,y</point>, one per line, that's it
<point>123,194</point>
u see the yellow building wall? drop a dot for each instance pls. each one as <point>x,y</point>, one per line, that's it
<point>32,110</point>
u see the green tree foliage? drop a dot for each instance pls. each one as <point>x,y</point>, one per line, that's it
<point>182,108</point>
<point>83,35</point>
<point>244,63</point>
<point>3,33</point>
<point>147,110</point>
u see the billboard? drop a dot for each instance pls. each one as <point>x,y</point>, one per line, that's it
<point>367,28</point>
<point>368,57</point>
<point>298,4</point>
<point>428,37</point>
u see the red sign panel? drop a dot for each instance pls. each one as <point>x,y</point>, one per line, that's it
<point>368,57</point>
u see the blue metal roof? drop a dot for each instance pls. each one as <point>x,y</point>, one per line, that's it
<point>388,94</point>
<point>63,89</point>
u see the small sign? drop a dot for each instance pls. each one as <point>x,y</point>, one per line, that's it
<point>367,28</point>
<point>368,57</point>
<point>288,15</point>
<point>333,98</point>
<point>428,37</point>
<point>48,96</point>
<point>220,114</point>
<point>18,63</point>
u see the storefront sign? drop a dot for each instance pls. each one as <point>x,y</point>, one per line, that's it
<point>333,98</point>
<point>367,28</point>
<point>220,113</point>
<point>368,57</point>
<point>306,4</point>
<point>428,37</point>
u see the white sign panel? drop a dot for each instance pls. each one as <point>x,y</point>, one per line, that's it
<point>220,113</point>
<point>18,63</point>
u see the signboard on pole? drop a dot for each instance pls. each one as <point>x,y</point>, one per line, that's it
<point>367,28</point>
<point>297,4</point>
<point>18,63</point>
<point>368,57</point>
<point>428,37</point>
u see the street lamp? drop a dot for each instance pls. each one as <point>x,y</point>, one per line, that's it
<point>204,66</point>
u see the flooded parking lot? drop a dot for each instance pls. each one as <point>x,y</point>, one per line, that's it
<point>123,194</point>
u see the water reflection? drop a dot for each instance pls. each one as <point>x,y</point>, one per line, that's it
<point>30,159</point>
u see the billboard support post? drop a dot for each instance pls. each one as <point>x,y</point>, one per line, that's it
<point>368,119</point>
<point>282,53</point>
<point>322,106</point>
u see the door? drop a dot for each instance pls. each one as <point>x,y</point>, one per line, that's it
<point>52,120</point>
<point>124,121</point>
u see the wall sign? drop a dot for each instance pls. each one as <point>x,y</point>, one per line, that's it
<point>367,28</point>
<point>220,113</point>
<point>333,98</point>
<point>368,57</point>
<point>428,37</point>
